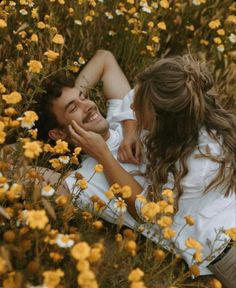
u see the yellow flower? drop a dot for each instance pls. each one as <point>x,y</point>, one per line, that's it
<point>161,25</point>
<point>141,198</point>
<point>231,233</point>
<point>36,219</point>
<point>35,66</point>
<point>48,148</point>
<point>15,191</point>
<point>135,275</point>
<point>221,32</point>
<point>87,279</point>
<point>97,224</point>
<point>115,188</point>
<point>32,149</point>
<point>58,39</point>
<point>159,255</point>
<point>150,210</point>
<point>165,221</point>
<point>197,256</point>
<point>34,38</point>
<point>98,168</point>
<point>215,283</point>
<point>77,150</point>
<point>3,23</point>
<point>41,25</point>
<point>204,42</point>
<point>95,255</point>
<point>19,47</point>
<point>56,164</point>
<point>194,244</point>
<point>61,147</point>
<point>164,4</point>
<point>189,220</point>
<point>150,24</point>
<point>131,247</point>
<point>156,39</point>
<point>28,120</point>
<point>194,270</point>
<point>168,233</point>
<point>138,284</point>
<point>12,98</point>
<point>82,265</point>
<point>62,2</point>
<point>10,111</point>
<point>217,40</point>
<point>2,137</point>
<point>52,55</point>
<point>83,184</point>
<point>169,209</point>
<point>88,18</point>
<point>3,266</point>
<point>81,251</point>
<point>149,47</point>
<point>126,191</point>
<point>214,24</point>
<point>109,194</point>
<point>34,13</point>
<point>2,88</point>
<point>190,27</point>
<point>52,278</point>
<point>231,19</point>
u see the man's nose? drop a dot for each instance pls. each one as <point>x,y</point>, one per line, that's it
<point>87,105</point>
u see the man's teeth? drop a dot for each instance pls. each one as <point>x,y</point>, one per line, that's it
<point>93,117</point>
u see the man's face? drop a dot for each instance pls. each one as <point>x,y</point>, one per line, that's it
<point>72,105</point>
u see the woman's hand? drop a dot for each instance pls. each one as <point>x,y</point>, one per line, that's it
<point>92,143</point>
<point>130,150</point>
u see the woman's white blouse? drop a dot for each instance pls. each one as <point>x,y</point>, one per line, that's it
<point>213,213</point>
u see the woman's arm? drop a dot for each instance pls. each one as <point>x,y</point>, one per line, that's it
<point>94,145</point>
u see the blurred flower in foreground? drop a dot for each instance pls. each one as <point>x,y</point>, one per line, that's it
<point>27,121</point>
<point>12,98</point>
<point>52,278</point>
<point>198,2</point>
<point>215,283</point>
<point>135,275</point>
<point>36,219</point>
<point>35,66</point>
<point>61,147</point>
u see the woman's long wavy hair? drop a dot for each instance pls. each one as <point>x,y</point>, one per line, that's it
<point>177,96</point>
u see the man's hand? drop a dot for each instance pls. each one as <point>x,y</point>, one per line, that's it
<point>130,150</point>
<point>92,143</point>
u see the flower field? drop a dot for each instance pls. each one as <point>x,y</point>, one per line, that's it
<point>45,240</point>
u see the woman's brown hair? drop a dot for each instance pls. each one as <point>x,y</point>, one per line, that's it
<point>179,94</point>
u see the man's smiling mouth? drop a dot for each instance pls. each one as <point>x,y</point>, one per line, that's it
<point>93,116</point>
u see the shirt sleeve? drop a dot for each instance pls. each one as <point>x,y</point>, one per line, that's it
<point>125,112</point>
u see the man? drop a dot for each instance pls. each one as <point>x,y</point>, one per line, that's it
<point>64,101</point>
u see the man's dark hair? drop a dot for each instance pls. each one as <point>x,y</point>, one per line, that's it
<point>52,89</point>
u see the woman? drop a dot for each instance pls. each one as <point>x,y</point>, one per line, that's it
<point>190,148</point>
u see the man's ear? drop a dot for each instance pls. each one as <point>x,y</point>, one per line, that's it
<point>56,134</point>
